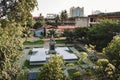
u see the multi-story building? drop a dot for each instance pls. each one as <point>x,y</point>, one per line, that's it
<point>94,18</point>
<point>76,12</point>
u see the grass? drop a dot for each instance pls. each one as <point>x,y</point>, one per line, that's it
<point>33,43</point>
<point>70,51</point>
<point>60,41</point>
<point>78,48</point>
<point>22,76</point>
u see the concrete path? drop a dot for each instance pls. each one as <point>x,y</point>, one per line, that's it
<point>66,73</point>
<point>25,56</point>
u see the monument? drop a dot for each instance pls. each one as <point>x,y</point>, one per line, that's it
<point>41,55</point>
<point>52,46</point>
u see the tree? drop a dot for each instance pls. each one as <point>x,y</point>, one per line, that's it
<point>52,32</point>
<point>15,13</point>
<point>40,22</point>
<point>52,70</point>
<point>17,10</point>
<point>81,33</point>
<point>105,69</point>
<point>101,34</point>
<point>69,35</point>
<point>57,19</point>
<point>30,22</point>
<point>112,51</point>
<point>10,43</point>
<point>63,16</point>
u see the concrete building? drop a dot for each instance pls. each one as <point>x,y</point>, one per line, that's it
<point>81,21</point>
<point>94,18</point>
<point>76,12</point>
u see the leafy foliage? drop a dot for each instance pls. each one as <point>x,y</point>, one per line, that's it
<point>112,51</point>
<point>16,14</point>
<point>69,35</point>
<point>105,69</point>
<point>40,22</point>
<point>17,10</point>
<point>63,16</point>
<point>52,32</point>
<point>101,34</point>
<point>52,70</point>
<point>10,42</point>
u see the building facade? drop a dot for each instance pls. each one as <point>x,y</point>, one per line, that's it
<point>76,12</point>
<point>95,18</point>
<point>81,21</point>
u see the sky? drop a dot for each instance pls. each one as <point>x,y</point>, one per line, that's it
<point>56,6</point>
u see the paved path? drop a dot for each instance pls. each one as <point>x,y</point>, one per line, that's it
<point>46,43</point>
<point>24,57</point>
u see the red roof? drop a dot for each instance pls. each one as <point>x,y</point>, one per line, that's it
<point>66,27</point>
<point>47,27</point>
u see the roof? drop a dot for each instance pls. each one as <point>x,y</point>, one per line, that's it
<point>66,27</point>
<point>106,14</point>
<point>47,27</point>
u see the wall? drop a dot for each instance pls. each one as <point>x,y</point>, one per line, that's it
<point>82,22</point>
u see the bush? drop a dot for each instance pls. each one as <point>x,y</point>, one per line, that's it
<point>26,64</point>
<point>70,64</point>
<point>30,52</point>
<point>102,62</point>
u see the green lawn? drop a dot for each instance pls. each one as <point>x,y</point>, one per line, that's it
<point>60,41</point>
<point>33,43</point>
<point>78,48</point>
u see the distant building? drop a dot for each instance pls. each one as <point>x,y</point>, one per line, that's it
<point>76,12</point>
<point>39,32</point>
<point>81,21</point>
<point>94,18</point>
<point>96,12</point>
<point>51,16</point>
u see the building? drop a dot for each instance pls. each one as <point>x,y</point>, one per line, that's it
<point>81,21</point>
<point>51,16</point>
<point>96,12</point>
<point>76,12</point>
<point>94,18</point>
<point>39,32</point>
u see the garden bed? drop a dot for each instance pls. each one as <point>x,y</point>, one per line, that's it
<point>33,43</point>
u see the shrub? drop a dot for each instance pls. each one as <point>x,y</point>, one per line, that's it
<point>30,52</point>
<point>70,64</point>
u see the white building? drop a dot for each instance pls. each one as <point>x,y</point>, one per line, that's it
<point>76,12</point>
<point>51,16</point>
